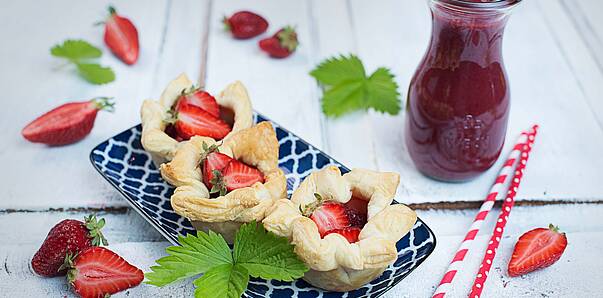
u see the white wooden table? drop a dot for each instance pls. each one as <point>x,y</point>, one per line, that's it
<point>554,57</point>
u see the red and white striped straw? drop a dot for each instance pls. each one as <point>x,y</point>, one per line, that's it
<point>497,187</point>
<point>484,269</point>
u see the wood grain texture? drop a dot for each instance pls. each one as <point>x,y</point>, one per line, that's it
<point>37,177</point>
<point>544,90</point>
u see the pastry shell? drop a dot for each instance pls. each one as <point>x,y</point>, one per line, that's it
<point>335,264</point>
<point>256,146</point>
<point>160,145</point>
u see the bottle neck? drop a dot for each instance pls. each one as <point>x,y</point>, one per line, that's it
<point>472,32</point>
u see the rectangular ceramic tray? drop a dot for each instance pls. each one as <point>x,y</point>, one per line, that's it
<point>122,161</point>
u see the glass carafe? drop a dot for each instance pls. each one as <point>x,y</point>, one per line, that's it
<point>458,99</point>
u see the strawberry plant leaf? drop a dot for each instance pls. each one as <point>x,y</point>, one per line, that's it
<point>347,88</point>
<point>95,73</point>
<point>223,281</point>
<point>197,254</point>
<point>335,70</point>
<point>266,255</point>
<point>75,50</point>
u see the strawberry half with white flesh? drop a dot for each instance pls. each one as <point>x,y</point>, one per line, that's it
<point>537,249</point>
<point>98,272</point>
<point>195,121</point>
<point>214,161</point>
<point>67,123</point>
<point>330,216</point>
<point>200,99</point>
<point>350,233</point>
<point>234,176</point>
<point>121,37</point>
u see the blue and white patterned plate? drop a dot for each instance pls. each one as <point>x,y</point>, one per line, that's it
<point>124,163</point>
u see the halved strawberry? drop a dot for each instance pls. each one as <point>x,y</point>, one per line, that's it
<point>195,121</point>
<point>330,216</point>
<point>67,123</point>
<point>238,175</point>
<point>200,99</point>
<point>537,249</point>
<point>214,161</point>
<point>350,233</point>
<point>98,271</point>
<point>121,37</point>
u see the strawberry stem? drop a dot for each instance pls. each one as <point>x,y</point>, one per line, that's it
<point>288,38</point>
<point>226,23</point>
<point>112,10</point>
<point>554,228</point>
<point>94,227</point>
<point>104,103</point>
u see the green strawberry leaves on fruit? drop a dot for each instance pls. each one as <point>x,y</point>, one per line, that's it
<point>256,253</point>
<point>347,87</point>
<point>81,54</point>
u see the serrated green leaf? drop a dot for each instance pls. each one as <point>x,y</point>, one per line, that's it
<point>336,70</point>
<point>344,98</point>
<point>95,73</point>
<point>75,49</point>
<point>197,254</point>
<point>223,281</point>
<point>382,92</point>
<point>266,255</point>
<point>347,89</point>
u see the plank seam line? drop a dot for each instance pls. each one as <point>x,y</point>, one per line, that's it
<point>568,62</point>
<point>583,35</point>
<point>205,46</point>
<point>112,210</point>
<point>166,24</point>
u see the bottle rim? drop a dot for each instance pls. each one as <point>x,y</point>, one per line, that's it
<point>466,5</point>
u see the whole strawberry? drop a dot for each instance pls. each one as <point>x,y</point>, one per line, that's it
<point>67,237</point>
<point>67,123</point>
<point>537,249</point>
<point>282,44</point>
<point>98,272</point>
<point>245,24</point>
<point>121,37</point>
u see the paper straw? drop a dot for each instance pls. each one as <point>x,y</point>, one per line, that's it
<point>497,187</point>
<point>484,269</point>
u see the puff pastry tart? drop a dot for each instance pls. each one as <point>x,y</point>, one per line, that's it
<point>184,111</point>
<point>220,186</point>
<point>343,227</point>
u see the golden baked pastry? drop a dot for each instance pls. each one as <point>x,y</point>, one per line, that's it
<point>336,264</point>
<point>155,115</point>
<point>256,146</point>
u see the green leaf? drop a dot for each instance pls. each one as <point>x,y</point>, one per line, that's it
<point>336,70</point>
<point>266,255</point>
<point>75,50</point>
<point>347,89</point>
<point>382,92</point>
<point>197,254</point>
<point>223,281</point>
<point>95,73</point>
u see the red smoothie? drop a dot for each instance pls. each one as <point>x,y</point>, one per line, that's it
<point>458,100</point>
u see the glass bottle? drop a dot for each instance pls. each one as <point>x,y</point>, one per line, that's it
<point>458,99</point>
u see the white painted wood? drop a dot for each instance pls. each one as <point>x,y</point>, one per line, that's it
<point>566,158</point>
<point>586,16</point>
<point>577,274</point>
<point>37,177</point>
<point>279,88</point>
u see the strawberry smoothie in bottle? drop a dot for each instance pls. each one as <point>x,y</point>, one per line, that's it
<point>458,99</point>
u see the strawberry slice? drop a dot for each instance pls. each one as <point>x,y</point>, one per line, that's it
<point>200,99</point>
<point>330,216</point>
<point>67,123</point>
<point>195,121</point>
<point>537,249</point>
<point>238,175</point>
<point>98,271</point>
<point>214,161</point>
<point>121,37</point>
<point>350,233</point>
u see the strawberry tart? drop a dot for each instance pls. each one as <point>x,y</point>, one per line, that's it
<point>344,227</point>
<point>184,111</point>
<point>221,185</point>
